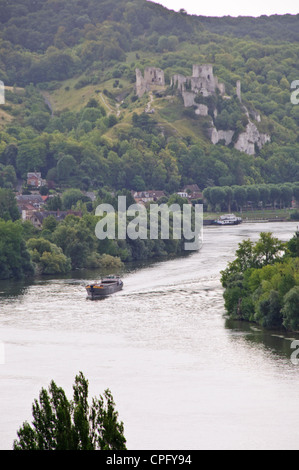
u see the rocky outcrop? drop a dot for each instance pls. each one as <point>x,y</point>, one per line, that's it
<point>203,82</point>
<point>248,140</point>
<point>202,110</point>
<point>217,136</point>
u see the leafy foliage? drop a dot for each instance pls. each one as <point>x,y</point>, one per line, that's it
<point>48,257</point>
<point>44,44</point>
<point>225,197</point>
<point>14,258</point>
<point>8,205</point>
<point>60,424</point>
<point>261,284</point>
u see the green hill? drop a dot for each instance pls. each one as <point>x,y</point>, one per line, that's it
<point>72,111</point>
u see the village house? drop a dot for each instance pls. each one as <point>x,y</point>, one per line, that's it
<point>190,192</point>
<point>35,200</point>
<point>35,180</point>
<point>37,217</point>
<point>142,197</point>
<point>31,208</point>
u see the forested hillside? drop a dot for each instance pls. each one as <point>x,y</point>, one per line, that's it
<point>72,112</point>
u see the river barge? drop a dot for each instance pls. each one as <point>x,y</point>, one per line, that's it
<point>228,219</point>
<point>104,288</point>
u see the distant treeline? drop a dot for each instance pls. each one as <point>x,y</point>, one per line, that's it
<point>275,26</point>
<point>277,195</point>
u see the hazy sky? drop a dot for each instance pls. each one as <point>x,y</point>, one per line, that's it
<point>232,7</point>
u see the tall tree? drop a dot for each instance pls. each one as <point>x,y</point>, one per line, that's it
<point>60,424</point>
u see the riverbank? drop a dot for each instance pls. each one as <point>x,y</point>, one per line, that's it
<point>261,283</point>
<point>254,216</point>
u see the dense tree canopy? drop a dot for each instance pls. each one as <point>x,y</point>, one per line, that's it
<point>261,284</point>
<point>15,260</point>
<point>60,424</point>
<point>94,47</point>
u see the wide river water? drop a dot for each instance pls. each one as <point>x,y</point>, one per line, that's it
<point>182,376</point>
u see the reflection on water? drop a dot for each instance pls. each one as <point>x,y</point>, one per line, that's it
<point>277,342</point>
<point>13,288</point>
<point>182,376</point>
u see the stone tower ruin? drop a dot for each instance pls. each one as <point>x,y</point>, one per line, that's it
<point>202,81</point>
<point>152,77</point>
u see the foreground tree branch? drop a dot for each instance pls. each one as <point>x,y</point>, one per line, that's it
<point>60,424</point>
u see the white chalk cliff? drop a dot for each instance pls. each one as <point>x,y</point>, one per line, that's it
<point>205,83</point>
<point>248,140</point>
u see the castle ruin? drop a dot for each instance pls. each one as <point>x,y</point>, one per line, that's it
<point>202,81</point>
<point>205,83</point>
<point>152,77</point>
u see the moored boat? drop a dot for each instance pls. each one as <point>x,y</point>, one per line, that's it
<point>107,286</point>
<point>228,219</point>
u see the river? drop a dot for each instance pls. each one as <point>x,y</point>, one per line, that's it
<point>182,376</point>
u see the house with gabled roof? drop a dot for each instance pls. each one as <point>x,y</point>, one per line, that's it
<point>35,179</point>
<point>143,197</point>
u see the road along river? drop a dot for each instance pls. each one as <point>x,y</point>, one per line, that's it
<point>182,376</point>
